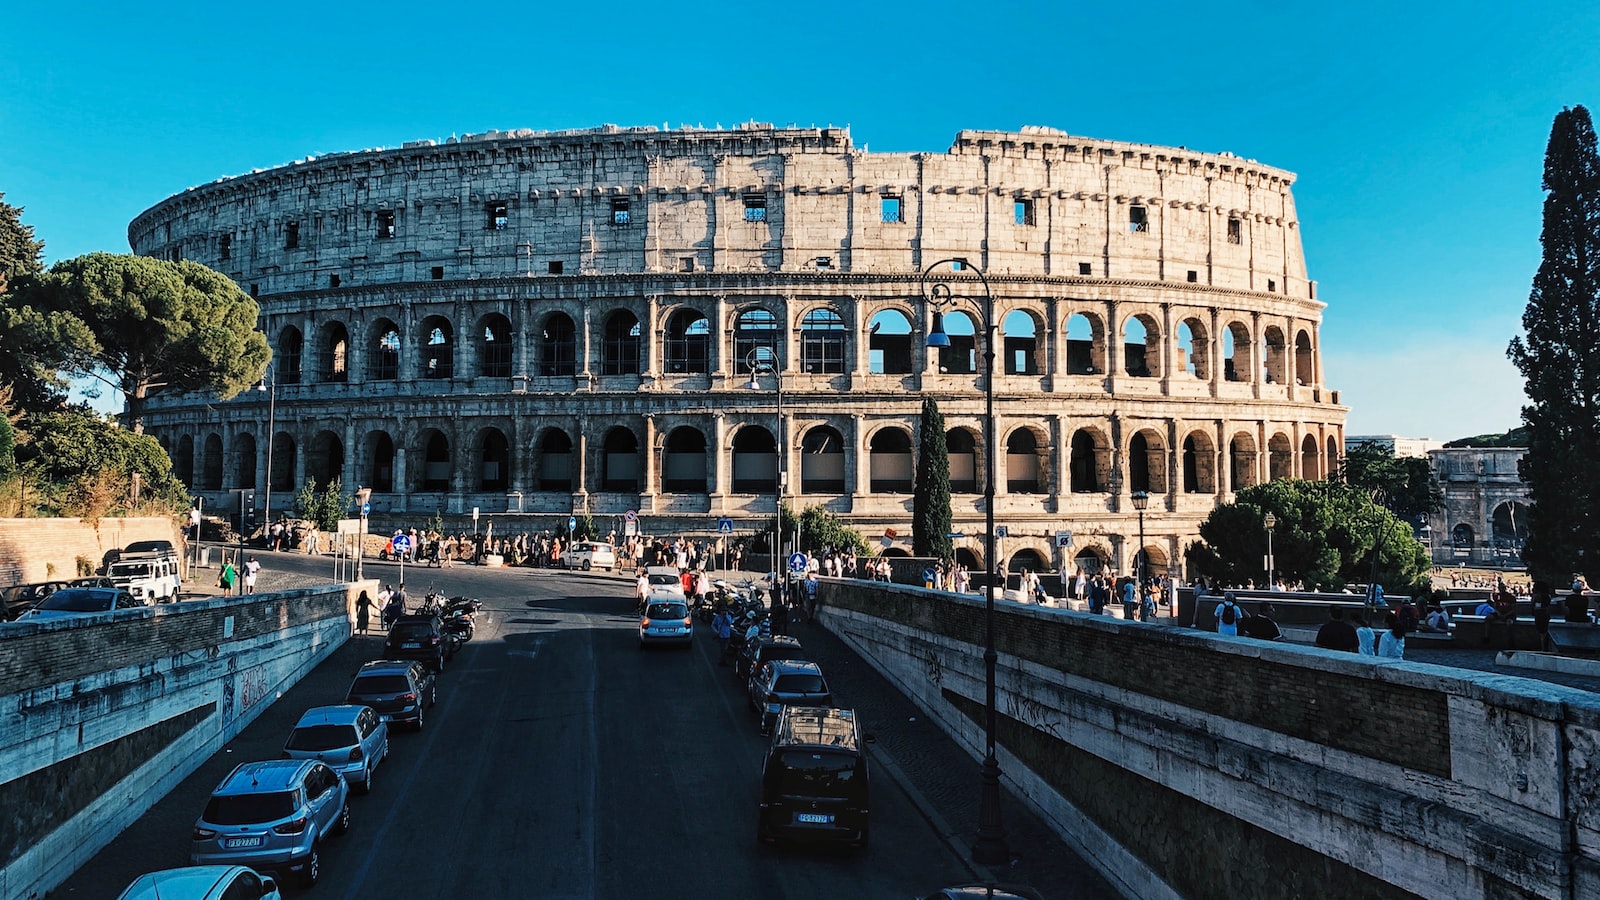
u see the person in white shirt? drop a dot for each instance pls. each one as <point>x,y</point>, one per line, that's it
<point>1392,643</point>
<point>251,569</point>
<point>1364,636</point>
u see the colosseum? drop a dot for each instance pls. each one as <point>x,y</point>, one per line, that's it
<point>690,323</point>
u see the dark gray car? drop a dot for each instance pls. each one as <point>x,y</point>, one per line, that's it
<point>787,682</point>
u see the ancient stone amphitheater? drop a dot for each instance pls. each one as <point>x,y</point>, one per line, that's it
<point>539,324</point>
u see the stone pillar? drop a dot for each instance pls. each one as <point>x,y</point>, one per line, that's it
<point>649,483</point>
<point>856,475</point>
<point>721,337</point>
<point>401,485</point>
<point>1055,339</point>
<point>348,477</point>
<point>718,461</point>
<point>585,341</point>
<point>1215,351</point>
<point>580,478</point>
<point>1169,344</point>
<point>356,356</point>
<point>1060,455</point>
<point>299,464</point>
<point>651,333</point>
<point>1224,467</point>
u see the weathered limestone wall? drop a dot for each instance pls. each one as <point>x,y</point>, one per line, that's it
<point>34,550</point>
<point>1188,765</point>
<point>101,716</point>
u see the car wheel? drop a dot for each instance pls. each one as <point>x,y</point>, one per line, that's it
<point>366,783</point>
<point>313,869</point>
<point>586,565</point>
<point>861,845</point>
<point>342,825</point>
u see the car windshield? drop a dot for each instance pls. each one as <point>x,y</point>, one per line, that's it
<point>410,630</point>
<point>71,600</point>
<point>248,809</point>
<point>812,773</point>
<point>380,684</point>
<point>800,684</point>
<point>665,580</point>
<point>322,737</point>
<point>130,570</point>
<point>667,611</point>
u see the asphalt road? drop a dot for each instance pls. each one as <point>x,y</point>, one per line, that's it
<point>564,762</point>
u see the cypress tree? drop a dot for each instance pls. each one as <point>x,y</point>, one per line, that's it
<point>930,505</point>
<point>1560,361</point>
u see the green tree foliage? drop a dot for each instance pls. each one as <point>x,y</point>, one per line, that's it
<point>1516,437</point>
<point>323,508</point>
<point>29,341</point>
<point>820,529</point>
<point>145,325</point>
<point>75,453</point>
<point>930,503</point>
<point>1325,536</point>
<point>1560,361</point>
<point>587,530</point>
<point>1404,484</point>
<point>20,253</point>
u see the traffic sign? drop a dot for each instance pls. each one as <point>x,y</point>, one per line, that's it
<point>1063,539</point>
<point>366,509</point>
<point>474,514</point>
<point>797,563</point>
<point>631,516</point>
<point>1001,531</point>
<point>572,524</point>
<point>724,525</point>
<point>955,535</point>
<point>402,543</point>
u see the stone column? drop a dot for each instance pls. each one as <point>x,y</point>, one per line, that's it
<point>401,485</point>
<point>718,462</point>
<point>356,357</point>
<point>649,484</point>
<point>651,333</point>
<point>1169,343</point>
<point>352,454</point>
<point>580,480</point>
<point>1215,350</point>
<point>856,476</point>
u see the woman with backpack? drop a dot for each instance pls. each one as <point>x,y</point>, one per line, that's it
<point>1228,615</point>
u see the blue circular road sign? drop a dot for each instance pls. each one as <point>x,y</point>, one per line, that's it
<point>402,543</point>
<point>572,523</point>
<point>797,563</point>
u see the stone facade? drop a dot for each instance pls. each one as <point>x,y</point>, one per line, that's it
<point>558,322</point>
<point>1485,516</point>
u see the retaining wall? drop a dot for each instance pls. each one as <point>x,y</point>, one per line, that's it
<point>1184,764</point>
<point>33,550</point>
<point>101,715</point>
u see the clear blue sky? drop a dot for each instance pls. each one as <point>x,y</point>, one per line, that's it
<point>1417,130</point>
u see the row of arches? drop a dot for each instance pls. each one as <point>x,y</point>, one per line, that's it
<point>559,458</point>
<point>1134,345</point>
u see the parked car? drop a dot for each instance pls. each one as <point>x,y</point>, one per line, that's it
<point>150,575</point>
<point>23,597</point>
<point>755,653</point>
<point>666,620</point>
<point>420,636</point>
<point>398,690</point>
<point>986,892</point>
<point>202,883</point>
<point>588,555</point>
<point>273,817</point>
<point>82,601</point>
<point>787,682</point>
<point>665,579</point>
<point>814,782</point>
<point>351,739</point>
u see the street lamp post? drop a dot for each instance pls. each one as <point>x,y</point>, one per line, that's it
<point>1271,521</point>
<point>990,848</point>
<point>761,365</point>
<point>1141,500</point>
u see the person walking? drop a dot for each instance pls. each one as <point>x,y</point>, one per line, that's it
<point>363,613</point>
<point>228,577</point>
<point>252,568</point>
<point>722,626</point>
<point>1228,615</point>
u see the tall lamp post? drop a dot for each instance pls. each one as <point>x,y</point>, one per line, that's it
<point>938,292</point>
<point>1141,500</point>
<point>1271,521</point>
<point>764,361</point>
<point>269,383</point>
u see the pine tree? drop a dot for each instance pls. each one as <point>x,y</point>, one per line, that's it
<point>930,505</point>
<point>1561,363</point>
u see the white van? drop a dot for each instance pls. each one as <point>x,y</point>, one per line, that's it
<point>150,577</point>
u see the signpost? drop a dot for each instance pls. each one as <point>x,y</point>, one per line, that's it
<point>572,527</point>
<point>797,563</point>
<point>402,546</point>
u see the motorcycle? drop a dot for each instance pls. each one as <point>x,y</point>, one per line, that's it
<point>459,617</point>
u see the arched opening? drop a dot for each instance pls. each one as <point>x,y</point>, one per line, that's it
<point>1090,561</point>
<point>1310,468</point>
<point>380,461</point>
<point>325,458</point>
<point>1303,359</point>
<point>822,342</point>
<point>244,449</point>
<point>961,447</point>
<point>494,461</point>
<point>1194,346</point>
<point>1085,469</point>
<point>334,345</point>
<point>889,343</point>
<point>961,357</point>
<point>1242,458</point>
<point>688,343</point>
<point>183,463</point>
<point>555,461</point>
<point>1141,347</point>
<point>619,346</point>
<point>1333,458</point>
<point>1199,464</point>
<point>619,465</point>
<point>755,461</point>
<point>438,348</point>
<point>969,559</point>
<point>755,337</point>
<point>1275,354</point>
<point>1237,363</point>
<point>1085,345</point>
<point>1462,538</point>
<point>1509,529</point>
<point>280,469</point>
<point>1021,342</point>
<point>1280,457</point>
<point>435,462</point>
<point>558,346</point>
<point>494,354</point>
<point>383,360</point>
<point>211,463</point>
<point>822,461</point>
<point>889,462</point>
<point>1022,462</point>
<point>1029,559</point>
<point>683,464</point>
<point>287,361</point>
<point>1147,463</point>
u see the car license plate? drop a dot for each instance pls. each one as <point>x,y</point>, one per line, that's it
<point>236,843</point>
<point>813,819</point>
<point>410,646</point>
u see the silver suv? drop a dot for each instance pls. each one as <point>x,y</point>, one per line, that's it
<point>272,816</point>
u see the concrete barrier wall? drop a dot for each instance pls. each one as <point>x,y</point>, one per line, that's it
<point>101,716</point>
<point>33,550</point>
<point>1184,764</point>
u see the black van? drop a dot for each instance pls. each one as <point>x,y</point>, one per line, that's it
<point>814,786</point>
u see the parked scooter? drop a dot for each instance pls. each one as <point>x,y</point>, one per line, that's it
<point>460,617</point>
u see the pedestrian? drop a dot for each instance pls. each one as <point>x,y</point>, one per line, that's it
<point>1130,598</point>
<point>1337,634</point>
<point>1364,636</point>
<point>722,626</point>
<point>363,612</point>
<point>780,615</point>
<point>1437,622</point>
<point>1543,609</point>
<point>228,577</point>
<point>1228,615</point>
<point>1080,585</point>
<point>393,609</point>
<point>400,597</point>
<point>252,568</point>
<point>1392,644</point>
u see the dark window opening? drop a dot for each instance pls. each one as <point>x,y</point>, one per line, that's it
<point>1024,212</point>
<point>620,212</point>
<point>688,343</point>
<point>175,254</point>
<point>1235,232</point>
<point>893,210</point>
<point>333,281</point>
<point>386,357</point>
<point>496,360</point>
<point>619,346</point>
<point>1138,219</point>
<point>438,354</point>
<point>1193,276</point>
<point>686,264</point>
<point>385,224</point>
<point>755,208</point>
<point>497,216</point>
<point>291,236</point>
<point>225,246</point>
<point>1085,268</point>
<point>822,337</point>
<point>437,273</point>
<point>554,268</point>
<point>824,262</point>
<point>1271,285</point>
<point>559,347</point>
<point>255,290</point>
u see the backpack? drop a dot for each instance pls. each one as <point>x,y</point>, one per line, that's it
<point>1230,613</point>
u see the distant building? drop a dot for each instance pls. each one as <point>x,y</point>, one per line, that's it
<point>1394,443</point>
<point>1485,516</point>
